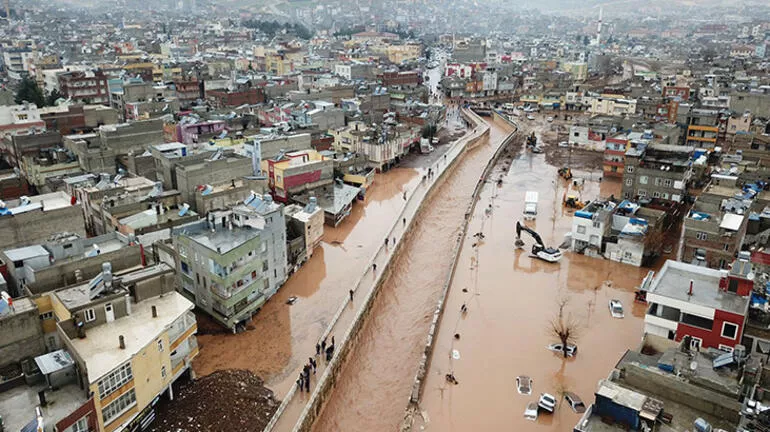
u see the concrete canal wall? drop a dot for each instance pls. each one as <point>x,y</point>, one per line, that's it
<point>419,379</point>
<point>328,378</point>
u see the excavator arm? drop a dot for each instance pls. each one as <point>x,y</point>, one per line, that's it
<point>535,236</point>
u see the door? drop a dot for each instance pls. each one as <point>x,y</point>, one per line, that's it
<point>695,344</point>
<point>108,312</point>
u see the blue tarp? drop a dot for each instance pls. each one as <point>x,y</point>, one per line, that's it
<point>584,214</point>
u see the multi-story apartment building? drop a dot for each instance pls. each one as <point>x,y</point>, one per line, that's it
<point>231,263</point>
<point>657,173</point>
<point>123,341</point>
<point>708,307</point>
<point>705,127</point>
<point>296,172</point>
<point>715,226</point>
<point>21,119</point>
<point>615,155</point>
<point>87,87</point>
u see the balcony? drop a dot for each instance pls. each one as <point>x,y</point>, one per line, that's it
<point>182,326</point>
<point>183,355</point>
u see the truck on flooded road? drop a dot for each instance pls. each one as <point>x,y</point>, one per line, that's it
<point>530,205</point>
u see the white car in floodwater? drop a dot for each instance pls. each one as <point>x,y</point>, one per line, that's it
<point>547,402</point>
<point>558,348</point>
<point>524,384</point>
<point>616,308</point>
<point>530,413</point>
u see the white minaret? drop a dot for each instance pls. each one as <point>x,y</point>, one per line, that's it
<point>599,28</point>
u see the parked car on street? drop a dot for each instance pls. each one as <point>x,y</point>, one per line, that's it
<point>563,143</point>
<point>530,117</point>
<point>575,402</point>
<point>549,119</point>
<point>557,348</point>
<point>616,308</point>
<point>547,402</point>
<point>524,384</point>
<point>530,413</point>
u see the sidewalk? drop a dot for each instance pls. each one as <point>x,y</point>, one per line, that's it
<point>294,401</point>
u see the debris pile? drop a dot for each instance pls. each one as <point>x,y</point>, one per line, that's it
<point>223,401</point>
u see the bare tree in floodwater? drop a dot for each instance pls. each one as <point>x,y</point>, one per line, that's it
<point>564,328</point>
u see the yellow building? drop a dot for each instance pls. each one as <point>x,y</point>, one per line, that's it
<point>126,340</point>
<point>404,52</point>
<point>278,64</point>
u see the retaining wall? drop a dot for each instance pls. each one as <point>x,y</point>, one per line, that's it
<point>422,369</point>
<point>329,377</point>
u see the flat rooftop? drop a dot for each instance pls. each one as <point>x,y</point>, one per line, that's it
<point>17,406</point>
<point>673,281</point>
<point>224,240</point>
<point>333,198</point>
<point>100,350</point>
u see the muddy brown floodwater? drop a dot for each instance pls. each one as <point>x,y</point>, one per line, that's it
<point>374,385</point>
<point>512,299</point>
<point>280,337</point>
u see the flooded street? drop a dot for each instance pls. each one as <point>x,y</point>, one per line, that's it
<point>512,300</point>
<point>280,337</point>
<point>374,387</point>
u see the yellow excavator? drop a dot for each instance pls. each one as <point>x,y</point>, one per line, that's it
<point>573,201</point>
<point>565,173</point>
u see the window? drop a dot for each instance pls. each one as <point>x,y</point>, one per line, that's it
<point>630,169</point>
<point>668,182</point>
<point>114,380</point>
<point>655,194</point>
<point>729,330</point>
<point>627,255</point>
<point>664,195</point>
<point>727,247</point>
<point>576,134</point>
<point>642,193</point>
<point>160,345</point>
<point>163,371</point>
<point>90,315</point>
<point>79,426</point>
<point>701,235</point>
<point>185,267</point>
<point>119,406</point>
<point>643,180</point>
<point>629,182</point>
<point>581,229</point>
<point>264,266</point>
<point>657,181</point>
<point>597,224</point>
<point>725,348</point>
<point>46,315</point>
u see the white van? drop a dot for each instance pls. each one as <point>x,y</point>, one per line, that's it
<point>530,205</point>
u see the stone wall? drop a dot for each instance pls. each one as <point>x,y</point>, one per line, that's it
<point>37,226</point>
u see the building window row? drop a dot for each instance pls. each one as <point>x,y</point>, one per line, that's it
<point>115,380</point>
<point>119,406</point>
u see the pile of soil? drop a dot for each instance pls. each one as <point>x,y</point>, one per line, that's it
<point>226,400</point>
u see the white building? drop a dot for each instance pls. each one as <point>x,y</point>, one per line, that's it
<point>589,226</point>
<point>610,105</point>
<point>20,120</point>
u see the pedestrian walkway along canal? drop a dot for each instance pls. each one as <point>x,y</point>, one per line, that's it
<point>374,386</point>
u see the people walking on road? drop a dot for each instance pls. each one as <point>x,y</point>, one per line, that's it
<point>301,381</point>
<point>317,349</point>
<point>323,345</point>
<point>307,382</point>
<point>332,341</point>
<point>351,295</point>
<point>404,195</point>
<point>386,241</point>
<point>404,220</point>
<point>313,364</point>
<point>374,268</point>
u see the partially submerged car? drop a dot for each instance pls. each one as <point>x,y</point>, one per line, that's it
<point>547,402</point>
<point>530,413</point>
<point>559,348</point>
<point>524,384</point>
<point>575,402</point>
<point>616,308</point>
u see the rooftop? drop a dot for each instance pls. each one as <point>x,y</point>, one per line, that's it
<point>222,240</point>
<point>100,350</point>
<point>19,404</point>
<point>332,198</point>
<point>674,278</point>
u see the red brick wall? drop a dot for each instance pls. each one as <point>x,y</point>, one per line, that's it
<point>87,409</point>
